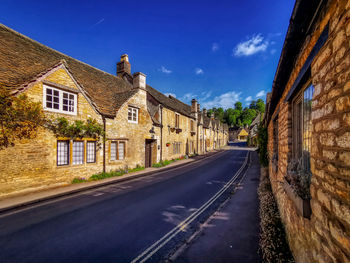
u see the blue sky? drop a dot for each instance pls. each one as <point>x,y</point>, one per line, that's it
<point>216,51</point>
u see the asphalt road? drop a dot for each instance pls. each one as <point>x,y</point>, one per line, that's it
<point>134,221</point>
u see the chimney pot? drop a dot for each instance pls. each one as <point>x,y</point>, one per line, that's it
<point>123,66</point>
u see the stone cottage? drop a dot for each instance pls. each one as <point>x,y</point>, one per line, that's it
<point>141,125</point>
<point>308,120</point>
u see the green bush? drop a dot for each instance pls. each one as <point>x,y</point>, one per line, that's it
<point>262,145</point>
<point>273,243</point>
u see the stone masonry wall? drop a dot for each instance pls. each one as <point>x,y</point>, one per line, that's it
<point>31,164</point>
<point>326,236</point>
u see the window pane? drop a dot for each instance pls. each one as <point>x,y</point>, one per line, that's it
<point>121,147</point>
<point>113,151</point>
<point>307,126</point>
<point>90,152</point>
<point>78,152</point>
<point>62,152</point>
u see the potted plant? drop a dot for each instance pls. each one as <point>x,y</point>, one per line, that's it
<point>167,144</point>
<point>297,186</point>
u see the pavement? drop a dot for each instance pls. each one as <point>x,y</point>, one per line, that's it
<point>25,200</point>
<point>231,234</point>
<point>146,219</point>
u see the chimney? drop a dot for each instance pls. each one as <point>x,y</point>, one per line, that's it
<point>123,66</point>
<point>205,112</point>
<point>212,115</point>
<point>139,81</point>
<point>198,107</point>
<point>194,108</point>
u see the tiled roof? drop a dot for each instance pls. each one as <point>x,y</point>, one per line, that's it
<point>23,59</point>
<point>170,102</point>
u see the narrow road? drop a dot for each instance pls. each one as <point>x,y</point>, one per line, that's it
<point>134,221</point>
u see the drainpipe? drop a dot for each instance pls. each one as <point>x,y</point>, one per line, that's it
<point>161,133</point>
<point>104,144</point>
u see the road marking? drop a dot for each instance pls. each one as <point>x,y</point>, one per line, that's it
<point>151,250</point>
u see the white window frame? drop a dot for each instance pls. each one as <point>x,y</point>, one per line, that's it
<point>133,111</point>
<point>60,110</point>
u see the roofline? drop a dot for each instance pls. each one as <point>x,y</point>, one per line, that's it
<point>304,14</point>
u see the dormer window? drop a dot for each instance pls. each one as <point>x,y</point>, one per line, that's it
<point>60,101</point>
<point>133,114</point>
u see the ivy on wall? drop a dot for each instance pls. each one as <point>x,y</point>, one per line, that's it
<point>78,129</point>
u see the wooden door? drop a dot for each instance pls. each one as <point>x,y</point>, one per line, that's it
<point>148,153</point>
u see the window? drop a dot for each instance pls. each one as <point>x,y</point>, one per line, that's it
<point>275,140</point>
<point>176,147</point>
<point>62,153</point>
<point>78,152</point>
<point>302,126</point>
<point>192,126</point>
<point>117,150</point>
<point>113,151</point>
<point>121,150</point>
<point>133,114</point>
<point>90,152</point>
<point>59,101</point>
<point>177,120</point>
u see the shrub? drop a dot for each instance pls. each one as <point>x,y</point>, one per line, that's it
<point>262,145</point>
<point>78,180</point>
<point>273,243</point>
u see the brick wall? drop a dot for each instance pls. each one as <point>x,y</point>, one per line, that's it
<point>326,236</point>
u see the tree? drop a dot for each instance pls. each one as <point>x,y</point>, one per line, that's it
<point>260,105</point>
<point>19,118</point>
<point>247,116</point>
<point>238,106</point>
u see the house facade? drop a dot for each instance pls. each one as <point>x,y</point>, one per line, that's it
<point>141,125</point>
<point>308,120</point>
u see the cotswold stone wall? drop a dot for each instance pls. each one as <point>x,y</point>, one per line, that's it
<point>171,136</point>
<point>133,134</point>
<point>31,164</point>
<point>326,236</point>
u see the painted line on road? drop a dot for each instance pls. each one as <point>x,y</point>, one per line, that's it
<point>151,250</point>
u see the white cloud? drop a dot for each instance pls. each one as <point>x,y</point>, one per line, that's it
<point>261,93</point>
<point>165,70</point>
<point>251,46</point>
<point>171,94</point>
<point>205,95</point>
<point>273,51</point>
<point>199,71</point>
<point>215,47</point>
<point>225,100</point>
<point>249,98</point>
<point>188,97</point>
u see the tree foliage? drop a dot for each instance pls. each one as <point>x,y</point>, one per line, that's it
<point>20,118</point>
<point>239,116</point>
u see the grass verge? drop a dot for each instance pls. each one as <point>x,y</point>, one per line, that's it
<point>102,175</point>
<point>273,243</point>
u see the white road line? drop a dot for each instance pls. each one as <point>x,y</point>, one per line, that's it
<point>150,251</point>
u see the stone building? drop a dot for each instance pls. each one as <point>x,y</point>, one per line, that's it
<point>142,126</point>
<point>308,119</point>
